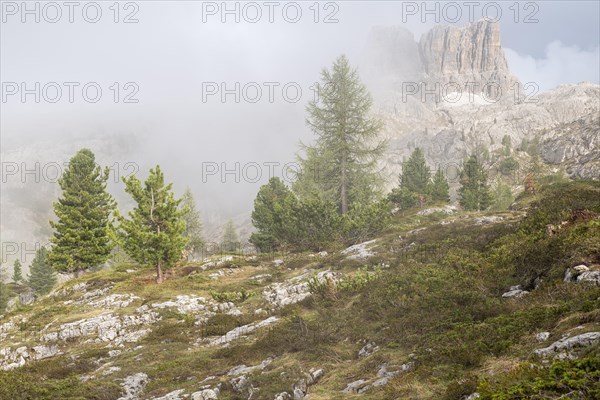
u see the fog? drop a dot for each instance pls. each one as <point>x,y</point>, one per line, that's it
<point>171,60</point>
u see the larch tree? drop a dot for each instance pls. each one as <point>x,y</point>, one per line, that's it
<point>81,232</point>
<point>154,233</point>
<point>341,166</point>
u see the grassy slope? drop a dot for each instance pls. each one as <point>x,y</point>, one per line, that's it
<point>433,298</point>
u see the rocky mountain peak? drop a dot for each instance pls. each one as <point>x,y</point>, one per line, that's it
<point>470,58</point>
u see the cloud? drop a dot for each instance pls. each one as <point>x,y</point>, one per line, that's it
<point>561,64</point>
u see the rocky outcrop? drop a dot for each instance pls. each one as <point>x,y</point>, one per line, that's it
<point>384,374</point>
<point>582,274</point>
<point>368,349</point>
<point>107,328</point>
<point>575,145</point>
<point>564,347</point>
<point>18,357</point>
<point>243,369</point>
<point>240,332</point>
<point>134,385</point>
<point>515,292</point>
<point>296,289</point>
<point>360,251</point>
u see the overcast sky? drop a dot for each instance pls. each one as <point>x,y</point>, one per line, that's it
<point>176,48</point>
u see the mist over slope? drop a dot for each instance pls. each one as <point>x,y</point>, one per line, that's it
<point>450,93</point>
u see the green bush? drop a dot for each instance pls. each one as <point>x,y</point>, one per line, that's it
<point>234,297</point>
<point>564,379</point>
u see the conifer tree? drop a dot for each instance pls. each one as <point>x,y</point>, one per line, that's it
<point>81,231</point>
<point>41,275</point>
<point>153,235</point>
<point>17,272</point>
<point>415,175</point>
<point>267,216</point>
<point>341,166</point>
<point>439,189</point>
<point>193,222</point>
<point>474,191</point>
<point>230,242</point>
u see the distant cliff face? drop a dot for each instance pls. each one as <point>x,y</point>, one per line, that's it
<point>471,56</point>
<point>452,93</point>
<point>449,58</point>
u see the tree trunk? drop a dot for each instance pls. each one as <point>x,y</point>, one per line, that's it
<point>159,274</point>
<point>343,189</point>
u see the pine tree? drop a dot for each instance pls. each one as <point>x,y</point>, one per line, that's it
<point>193,222</point>
<point>474,192</point>
<point>230,242</point>
<point>267,216</point>
<point>41,275</point>
<point>17,272</point>
<point>439,189</point>
<point>415,175</point>
<point>81,232</point>
<point>153,235</point>
<point>341,166</point>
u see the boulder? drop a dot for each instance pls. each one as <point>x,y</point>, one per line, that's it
<point>133,386</point>
<point>368,349</point>
<point>515,292</point>
<point>354,387</point>
<point>542,336</point>
<point>206,394</point>
<point>26,297</point>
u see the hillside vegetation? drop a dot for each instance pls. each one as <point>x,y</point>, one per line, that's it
<point>418,313</point>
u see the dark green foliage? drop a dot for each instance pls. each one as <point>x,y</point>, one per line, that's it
<point>234,297</point>
<point>508,166</point>
<point>230,243</point>
<point>564,379</point>
<point>54,379</point>
<point>81,232</point>
<point>474,192</point>
<point>364,221</point>
<point>311,224</point>
<point>416,184</point>
<point>4,296</point>
<point>439,188</point>
<point>41,275</point>
<point>268,215</point>
<point>154,233</point>
<point>193,222</point>
<point>17,271</point>
<point>415,173</point>
<point>403,198</point>
<point>341,166</point>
